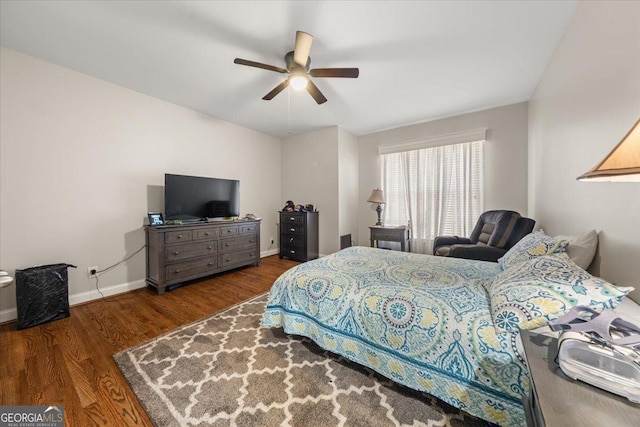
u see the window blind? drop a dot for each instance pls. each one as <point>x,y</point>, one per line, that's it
<point>438,190</point>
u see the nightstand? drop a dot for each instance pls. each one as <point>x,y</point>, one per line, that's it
<point>556,400</point>
<point>391,234</point>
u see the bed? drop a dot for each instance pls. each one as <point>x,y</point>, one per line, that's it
<point>427,322</point>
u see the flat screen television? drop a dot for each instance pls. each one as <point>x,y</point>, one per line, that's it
<point>195,198</point>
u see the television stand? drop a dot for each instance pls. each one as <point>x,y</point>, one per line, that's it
<point>179,253</point>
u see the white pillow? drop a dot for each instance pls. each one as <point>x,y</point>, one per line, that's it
<point>582,248</point>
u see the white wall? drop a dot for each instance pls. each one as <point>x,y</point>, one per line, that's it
<point>310,175</point>
<point>586,101</point>
<point>348,183</point>
<point>83,161</point>
<point>505,158</point>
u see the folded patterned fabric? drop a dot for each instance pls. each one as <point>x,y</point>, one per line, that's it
<point>544,288</point>
<point>531,246</point>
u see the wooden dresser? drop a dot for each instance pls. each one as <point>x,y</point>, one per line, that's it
<point>177,253</point>
<point>299,235</point>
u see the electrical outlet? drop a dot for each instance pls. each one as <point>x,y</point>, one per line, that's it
<point>91,271</point>
<point>271,238</point>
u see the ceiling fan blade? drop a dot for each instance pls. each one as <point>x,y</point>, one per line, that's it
<point>259,65</point>
<point>335,72</point>
<point>302,49</point>
<point>315,93</point>
<point>276,90</point>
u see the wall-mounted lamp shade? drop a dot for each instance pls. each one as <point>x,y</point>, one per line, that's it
<point>622,164</point>
<point>377,196</point>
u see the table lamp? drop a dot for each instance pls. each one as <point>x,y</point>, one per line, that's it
<point>377,196</point>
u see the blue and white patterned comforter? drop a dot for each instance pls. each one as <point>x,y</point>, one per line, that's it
<point>420,320</point>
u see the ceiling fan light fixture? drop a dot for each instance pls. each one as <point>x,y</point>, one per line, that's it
<point>298,63</point>
<point>298,81</point>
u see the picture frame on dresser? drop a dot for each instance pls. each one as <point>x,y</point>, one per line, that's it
<point>155,218</point>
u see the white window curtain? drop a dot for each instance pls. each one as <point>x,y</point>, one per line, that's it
<point>437,190</point>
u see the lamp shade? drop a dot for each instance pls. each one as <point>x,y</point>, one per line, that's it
<point>622,164</point>
<point>377,196</point>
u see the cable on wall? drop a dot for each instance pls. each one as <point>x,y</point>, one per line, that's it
<point>113,266</point>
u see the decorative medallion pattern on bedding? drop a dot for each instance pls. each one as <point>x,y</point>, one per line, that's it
<point>529,294</point>
<point>420,320</point>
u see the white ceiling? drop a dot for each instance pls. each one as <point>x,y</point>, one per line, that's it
<point>418,61</point>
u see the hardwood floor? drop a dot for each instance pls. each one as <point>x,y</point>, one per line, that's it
<point>69,362</point>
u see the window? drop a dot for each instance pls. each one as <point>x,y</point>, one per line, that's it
<point>438,190</point>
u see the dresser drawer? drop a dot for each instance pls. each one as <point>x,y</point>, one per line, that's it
<point>206,233</point>
<point>178,236</point>
<point>229,230</point>
<point>392,235</point>
<point>248,229</point>
<point>293,252</point>
<point>178,252</point>
<point>190,268</point>
<point>238,257</point>
<point>243,242</point>
<point>292,240</point>
<point>287,218</point>
<point>292,228</point>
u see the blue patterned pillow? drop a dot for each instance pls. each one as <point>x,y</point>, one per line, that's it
<point>530,294</point>
<point>532,245</point>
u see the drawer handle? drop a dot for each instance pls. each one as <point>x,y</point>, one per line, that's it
<point>207,233</point>
<point>292,229</point>
<point>250,254</point>
<point>228,231</point>
<point>228,260</point>
<point>250,241</point>
<point>176,253</point>
<point>291,239</point>
<point>292,219</point>
<point>209,247</point>
<point>292,252</point>
<point>176,271</point>
<point>210,264</point>
<point>226,245</point>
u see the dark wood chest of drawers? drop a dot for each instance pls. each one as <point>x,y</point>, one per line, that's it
<point>299,235</point>
<point>177,253</point>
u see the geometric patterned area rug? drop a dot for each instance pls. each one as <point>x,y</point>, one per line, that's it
<point>226,370</point>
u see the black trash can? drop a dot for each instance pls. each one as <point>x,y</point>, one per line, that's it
<point>42,294</point>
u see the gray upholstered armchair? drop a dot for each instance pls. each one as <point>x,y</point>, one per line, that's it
<point>494,234</point>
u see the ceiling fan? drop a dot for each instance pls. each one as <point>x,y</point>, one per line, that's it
<point>297,63</point>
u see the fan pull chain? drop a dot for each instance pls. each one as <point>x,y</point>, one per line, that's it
<point>289,109</point>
